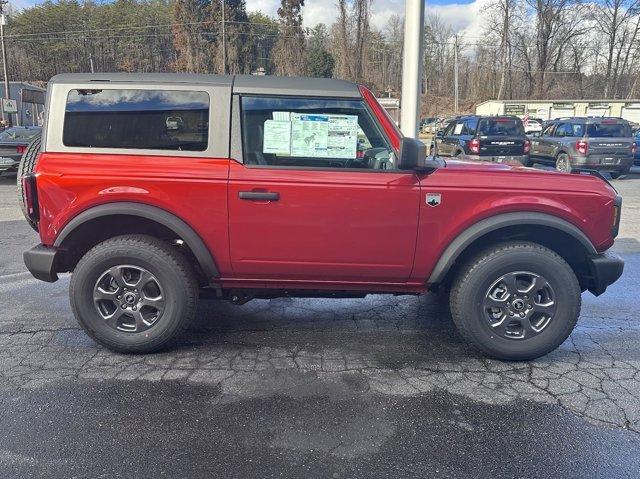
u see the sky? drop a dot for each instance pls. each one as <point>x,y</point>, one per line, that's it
<point>462,15</point>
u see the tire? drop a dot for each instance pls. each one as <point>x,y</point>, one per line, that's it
<point>170,287</point>
<point>615,175</point>
<point>27,165</point>
<point>487,273</point>
<point>562,163</point>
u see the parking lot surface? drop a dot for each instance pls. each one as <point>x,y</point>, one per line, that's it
<point>376,387</point>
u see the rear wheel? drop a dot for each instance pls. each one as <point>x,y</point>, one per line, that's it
<point>133,294</point>
<point>516,301</point>
<point>562,163</point>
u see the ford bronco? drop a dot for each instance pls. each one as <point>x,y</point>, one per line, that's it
<point>295,187</point>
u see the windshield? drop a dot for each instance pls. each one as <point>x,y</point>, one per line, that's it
<point>18,134</point>
<point>608,130</point>
<point>500,127</point>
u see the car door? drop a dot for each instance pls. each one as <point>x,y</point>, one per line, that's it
<point>448,141</point>
<point>541,147</point>
<point>314,194</point>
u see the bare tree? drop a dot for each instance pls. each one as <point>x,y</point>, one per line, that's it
<point>617,21</point>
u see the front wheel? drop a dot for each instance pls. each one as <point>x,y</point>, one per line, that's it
<point>516,301</point>
<point>133,294</point>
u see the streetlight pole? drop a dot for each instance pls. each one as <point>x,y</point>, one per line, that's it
<point>412,66</point>
<point>4,55</point>
<point>224,43</point>
<point>455,74</point>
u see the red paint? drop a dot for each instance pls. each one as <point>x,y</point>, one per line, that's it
<point>330,229</point>
<point>389,126</point>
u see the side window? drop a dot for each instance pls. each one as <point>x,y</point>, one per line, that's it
<point>472,125</point>
<point>459,128</point>
<point>563,129</point>
<point>137,119</point>
<point>313,133</point>
<point>577,129</point>
<point>448,131</point>
<point>548,130</point>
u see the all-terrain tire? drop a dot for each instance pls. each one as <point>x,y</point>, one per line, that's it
<point>475,279</point>
<point>172,272</point>
<point>26,166</point>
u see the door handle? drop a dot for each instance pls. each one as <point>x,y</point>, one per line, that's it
<point>259,195</point>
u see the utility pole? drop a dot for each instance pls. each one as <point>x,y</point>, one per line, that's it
<point>412,66</point>
<point>4,55</point>
<point>224,43</point>
<point>455,74</point>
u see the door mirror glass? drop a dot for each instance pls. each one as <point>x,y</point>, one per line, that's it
<point>440,134</point>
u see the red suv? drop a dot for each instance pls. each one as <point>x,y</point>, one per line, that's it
<point>154,190</point>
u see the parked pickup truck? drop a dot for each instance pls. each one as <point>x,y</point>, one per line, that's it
<point>296,187</point>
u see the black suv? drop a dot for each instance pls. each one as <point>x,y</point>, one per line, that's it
<point>604,144</point>
<point>489,138</point>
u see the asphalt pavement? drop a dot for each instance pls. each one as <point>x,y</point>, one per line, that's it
<point>375,387</point>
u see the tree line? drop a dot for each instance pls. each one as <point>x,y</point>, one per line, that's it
<point>527,49</point>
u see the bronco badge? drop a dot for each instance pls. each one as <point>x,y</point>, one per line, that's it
<point>434,199</point>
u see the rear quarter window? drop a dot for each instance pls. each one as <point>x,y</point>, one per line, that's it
<point>137,119</point>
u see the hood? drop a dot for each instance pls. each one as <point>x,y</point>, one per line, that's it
<point>514,176</point>
<point>486,166</point>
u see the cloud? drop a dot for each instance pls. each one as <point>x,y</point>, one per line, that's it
<point>462,16</point>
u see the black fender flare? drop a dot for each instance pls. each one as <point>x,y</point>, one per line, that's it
<point>153,213</point>
<point>493,223</point>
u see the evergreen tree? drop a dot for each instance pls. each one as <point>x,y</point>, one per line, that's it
<point>289,54</point>
<point>320,62</point>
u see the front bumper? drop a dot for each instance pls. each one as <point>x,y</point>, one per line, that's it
<point>605,269</point>
<point>41,263</point>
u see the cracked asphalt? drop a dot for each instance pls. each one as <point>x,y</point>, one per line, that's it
<point>375,387</point>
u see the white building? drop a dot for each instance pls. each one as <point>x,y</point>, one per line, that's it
<point>550,109</point>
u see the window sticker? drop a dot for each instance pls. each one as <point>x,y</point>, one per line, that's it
<point>458,129</point>
<point>281,115</point>
<point>277,137</point>
<point>324,136</point>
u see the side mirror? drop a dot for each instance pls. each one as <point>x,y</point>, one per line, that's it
<point>413,156</point>
<point>440,134</point>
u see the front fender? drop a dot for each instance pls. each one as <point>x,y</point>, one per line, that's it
<point>493,223</point>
